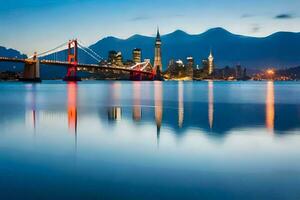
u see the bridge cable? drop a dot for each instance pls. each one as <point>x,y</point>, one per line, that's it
<point>90,54</point>
<point>49,51</point>
<point>93,52</point>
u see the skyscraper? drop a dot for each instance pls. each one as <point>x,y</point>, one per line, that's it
<point>112,57</point>
<point>210,63</point>
<point>119,59</point>
<point>157,56</point>
<point>137,55</point>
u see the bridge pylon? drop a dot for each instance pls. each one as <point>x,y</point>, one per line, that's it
<point>73,62</point>
<point>31,70</point>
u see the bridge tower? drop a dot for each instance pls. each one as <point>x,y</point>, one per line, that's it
<point>73,61</point>
<point>32,70</point>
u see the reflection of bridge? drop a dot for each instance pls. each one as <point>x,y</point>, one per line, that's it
<point>139,71</point>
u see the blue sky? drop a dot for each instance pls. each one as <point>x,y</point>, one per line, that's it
<point>38,25</point>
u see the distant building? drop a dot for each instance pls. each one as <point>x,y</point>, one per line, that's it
<point>137,55</point>
<point>112,57</point>
<point>157,53</point>
<point>190,66</point>
<point>205,65</point>
<point>190,62</point>
<point>210,63</point>
<point>119,59</point>
<point>128,63</point>
<point>179,63</point>
<point>239,73</point>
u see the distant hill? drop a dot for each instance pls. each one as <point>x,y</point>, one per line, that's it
<point>278,50</point>
<point>12,53</point>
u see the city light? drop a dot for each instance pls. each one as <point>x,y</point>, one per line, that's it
<point>270,72</point>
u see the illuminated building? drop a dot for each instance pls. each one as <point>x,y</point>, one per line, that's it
<point>115,58</point>
<point>210,63</point>
<point>157,55</point>
<point>239,72</point>
<point>137,55</point>
<point>205,65</point>
<point>190,62</point>
<point>112,57</point>
<point>179,63</point>
<point>190,66</point>
<point>119,59</point>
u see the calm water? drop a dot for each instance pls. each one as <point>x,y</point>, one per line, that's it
<point>150,140</point>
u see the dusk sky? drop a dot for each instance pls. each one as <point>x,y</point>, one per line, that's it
<point>38,25</point>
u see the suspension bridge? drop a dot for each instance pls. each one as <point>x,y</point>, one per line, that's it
<point>138,71</point>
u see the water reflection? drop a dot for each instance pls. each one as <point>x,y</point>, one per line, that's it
<point>72,107</point>
<point>158,106</point>
<point>211,103</point>
<point>171,107</point>
<point>137,110</point>
<point>180,104</point>
<point>270,107</point>
<point>199,114</point>
<point>31,108</point>
<point>114,113</point>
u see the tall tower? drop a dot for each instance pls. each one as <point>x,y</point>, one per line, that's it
<point>157,56</point>
<point>210,63</point>
<point>137,55</point>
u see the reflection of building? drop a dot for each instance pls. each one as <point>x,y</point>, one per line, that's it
<point>158,103</point>
<point>210,63</point>
<point>211,103</point>
<point>270,107</point>
<point>137,55</point>
<point>137,110</point>
<point>114,113</point>
<point>157,55</point>
<point>180,104</point>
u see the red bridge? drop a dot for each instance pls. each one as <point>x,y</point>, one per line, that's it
<point>139,71</point>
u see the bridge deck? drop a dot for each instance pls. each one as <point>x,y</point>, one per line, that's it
<point>66,64</point>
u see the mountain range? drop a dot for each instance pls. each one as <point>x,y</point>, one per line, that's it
<point>279,50</point>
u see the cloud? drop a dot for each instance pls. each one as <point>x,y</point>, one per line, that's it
<point>247,16</point>
<point>284,16</point>
<point>140,18</point>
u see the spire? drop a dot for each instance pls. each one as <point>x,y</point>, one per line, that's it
<point>210,54</point>
<point>158,35</point>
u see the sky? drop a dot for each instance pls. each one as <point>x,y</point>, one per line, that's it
<point>39,25</point>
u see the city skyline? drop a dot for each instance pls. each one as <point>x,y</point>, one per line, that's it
<point>47,22</point>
